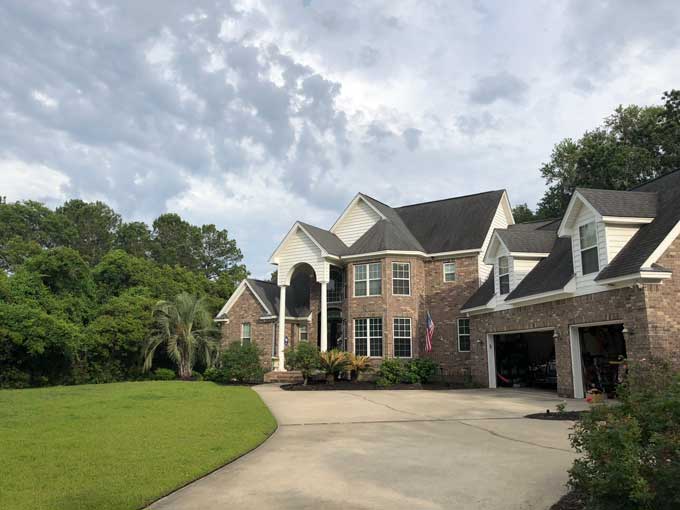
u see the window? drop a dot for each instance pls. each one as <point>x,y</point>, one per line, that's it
<point>449,271</point>
<point>368,337</point>
<point>589,257</point>
<point>245,333</point>
<point>401,278</point>
<point>464,335</point>
<point>275,343</point>
<point>402,338</point>
<point>504,275</point>
<point>367,279</point>
<point>304,337</point>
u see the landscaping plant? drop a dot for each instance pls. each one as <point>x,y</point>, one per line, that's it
<point>358,365</point>
<point>421,370</point>
<point>303,357</point>
<point>332,363</point>
<point>241,363</point>
<point>630,453</point>
<point>164,374</point>
<point>186,329</point>
<point>392,371</point>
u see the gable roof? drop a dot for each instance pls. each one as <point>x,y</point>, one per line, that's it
<point>267,295</point>
<point>482,295</point>
<point>328,240</point>
<point>622,204</point>
<point>452,224</point>
<point>524,240</point>
<point>382,236</point>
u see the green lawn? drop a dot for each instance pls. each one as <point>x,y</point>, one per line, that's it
<point>120,446</point>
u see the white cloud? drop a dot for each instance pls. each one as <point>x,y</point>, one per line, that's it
<point>21,181</point>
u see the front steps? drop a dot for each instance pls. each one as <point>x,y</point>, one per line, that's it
<point>290,377</point>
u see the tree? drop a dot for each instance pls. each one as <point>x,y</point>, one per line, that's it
<point>633,145</point>
<point>96,224</point>
<point>186,329</point>
<point>522,213</point>
<point>176,242</point>
<point>219,253</point>
<point>134,238</point>
<point>304,357</point>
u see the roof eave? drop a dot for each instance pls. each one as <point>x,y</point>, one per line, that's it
<point>639,277</point>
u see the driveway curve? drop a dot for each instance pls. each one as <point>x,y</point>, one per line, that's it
<point>415,449</point>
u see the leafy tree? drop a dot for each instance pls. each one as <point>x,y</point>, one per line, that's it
<point>176,242</point>
<point>219,254</point>
<point>522,213</point>
<point>186,329</point>
<point>134,238</point>
<point>274,277</point>
<point>62,270</point>
<point>96,224</point>
<point>633,145</point>
<point>119,271</point>
<point>304,357</point>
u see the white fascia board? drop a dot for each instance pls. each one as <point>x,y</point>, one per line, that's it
<point>492,249</point>
<point>349,207</point>
<point>271,317</point>
<point>324,253</point>
<point>663,246</point>
<point>475,310</point>
<point>528,255</point>
<point>505,202</point>
<point>564,224</point>
<point>457,253</point>
<point>566,291</point>
<point>235,296</point>
<point>273,259</point>
<point>626,220</point>
<point>385,252</point>
<point>640,277</point>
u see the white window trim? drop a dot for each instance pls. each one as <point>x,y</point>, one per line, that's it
<point>469,335</point>
<point>455,271</point>
<point>402,279</point>
<point>410,336</point>
<point>367,280</point>
<point>500,292</point>
<point>596,246</point>
<point>368,336</point>
<point>300,326</point>
<point>250,331</point>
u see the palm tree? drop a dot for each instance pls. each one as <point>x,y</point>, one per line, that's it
<point>185,326</point>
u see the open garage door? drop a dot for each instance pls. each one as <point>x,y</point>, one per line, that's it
<point>603,351</point>
<point>526,360</point>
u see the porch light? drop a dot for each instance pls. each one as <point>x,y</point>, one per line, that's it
<point>556,335</point>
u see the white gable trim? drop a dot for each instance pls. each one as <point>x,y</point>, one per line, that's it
<point>492,249</point>
<point>640,276</point>
<point>566,223</point>
<point>505,202</point>
<point>274,258</point>
<point>626,220</point>
<point>351,205</point>
<point>665,244</point>
<point>234,298</point>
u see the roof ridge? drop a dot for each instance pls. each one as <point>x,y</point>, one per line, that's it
<point>451,198</point>
<point>373,198</point>
<point>632,190</point>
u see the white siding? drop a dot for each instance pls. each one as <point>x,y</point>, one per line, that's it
<point>586,284</point>
<point>616,238</point>
<point>356,222</point>
<point>500,220</point>
<point>521,268</point>
<point>300,248</point>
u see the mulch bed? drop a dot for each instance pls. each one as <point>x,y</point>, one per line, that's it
<point>570,501</point>
<point>364,385</point>
<point>556,416</point>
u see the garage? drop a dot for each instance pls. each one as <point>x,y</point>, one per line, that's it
<point>525,360</point>
<point>603,351</point>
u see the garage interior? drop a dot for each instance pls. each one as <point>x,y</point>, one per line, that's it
<point>526,360</point>
<point>603,351</point>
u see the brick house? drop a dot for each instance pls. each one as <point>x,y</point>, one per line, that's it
<point>554,303</point>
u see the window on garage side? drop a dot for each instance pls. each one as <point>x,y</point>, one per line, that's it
<point>464,335</point>
<point>402,337</point>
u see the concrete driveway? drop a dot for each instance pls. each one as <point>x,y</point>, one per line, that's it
<point>460,449</point>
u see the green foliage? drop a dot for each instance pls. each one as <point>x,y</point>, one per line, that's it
<point>11,377</point>
<point>240,363</point>
<point>333,363</point>
<point>630,453</point>
<point>633,145</point>
<point>134,238</point>
<point>303,357</point>
<point>196,376</point>
<point>358,364</point>
<point>164,374</point>
<point>421,370</point>
<point>211,374</point>
<point>392,371</point>
<point>522,213</point>
<point>62,270</point>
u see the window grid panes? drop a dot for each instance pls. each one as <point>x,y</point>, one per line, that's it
<point>589,255</point>
<point>463,335</point>
<point>401,278</point>
<point>402,337</point>
<point>303,333</point>
<point>245,333</point>
<point>504,275</point>
<point>449,271</point>
<point>367,279</point>
<point>368,337</point>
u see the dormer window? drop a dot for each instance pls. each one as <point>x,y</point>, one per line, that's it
<point>589,256</point>
<point>504,275</point>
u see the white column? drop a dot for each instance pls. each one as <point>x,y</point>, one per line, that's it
<point>324,317</point>
<point>282,328</point>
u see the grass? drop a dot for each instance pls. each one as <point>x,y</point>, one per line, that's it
<point>120,446</point>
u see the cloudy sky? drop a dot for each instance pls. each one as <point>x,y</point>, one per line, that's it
<point>252,114</point>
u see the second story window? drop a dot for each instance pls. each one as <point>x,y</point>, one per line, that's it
<point>304,336</point>
<point>503,275</point>
<point>245,333</point>
<point>589,257</point>
<point>367,279</point>
<point>450,271</point>
<point>401,278</point>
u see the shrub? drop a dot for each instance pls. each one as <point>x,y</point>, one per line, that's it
<point>630,453</point>
<point>421,370</point>
<point>196,376</point>
<point>13,378</point>
<point>392,371</point>
<point>211,374</point>
<point>332,363</point>
<point>241,363</point>
<point>304,357</point>
<point>358,364</point>
<point>164,374</point>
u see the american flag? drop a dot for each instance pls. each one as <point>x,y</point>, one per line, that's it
<point>429,333</point>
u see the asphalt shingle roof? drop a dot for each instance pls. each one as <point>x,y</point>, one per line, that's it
<point>384,235</point>
<point>330,242</point>
<point>527,241</point>
<point>268,292</point>
<point>626,204</point>
<point>482,295</point>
